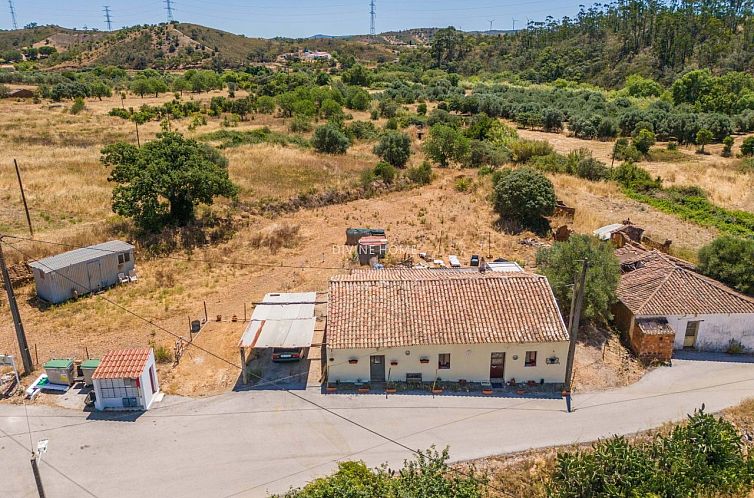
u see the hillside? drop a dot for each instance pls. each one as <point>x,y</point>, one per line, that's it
<point>180,45</point>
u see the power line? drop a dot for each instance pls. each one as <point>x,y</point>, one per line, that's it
<point>169,9</point>
<point>371,17</point>
<point>13,14</point>
<point>108,21</point>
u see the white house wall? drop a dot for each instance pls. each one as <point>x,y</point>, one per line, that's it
<point>146,395</point>
<point>716,331</point>
<point>467,361</point>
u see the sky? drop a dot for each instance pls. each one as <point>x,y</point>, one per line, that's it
<point>292,18</point>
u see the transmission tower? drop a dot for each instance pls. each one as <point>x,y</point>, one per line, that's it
<point>372,13</point>
<point>13,14</point>
<point>169,9</point>
<point>514,23</point>
<point>491,21</point>
<point>108,20</point>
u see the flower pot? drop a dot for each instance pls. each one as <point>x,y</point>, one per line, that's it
<point>362,389</point>
<point>424,360</point>
<point>520,392</point>
<point>390,390</point>
<point>353,362</point>
<point>393,362</point>
<point>331,389</point>
<point>487,391</point>
<point>531,383</point>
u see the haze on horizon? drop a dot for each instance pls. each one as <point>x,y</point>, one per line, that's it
<point>292,18</point>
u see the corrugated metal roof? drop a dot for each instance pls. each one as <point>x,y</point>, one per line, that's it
<point>604,233</point>
<point>282,320</point>
<point>66,259</point>
<point>123,364</point>
<point>391,308</point>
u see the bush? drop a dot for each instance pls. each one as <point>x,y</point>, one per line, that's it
<point>561,265</point>
<point>590,168</point>
<point>482,153</point>
<point>628,174</point>
<point>463,184</point>
<point>727,146</point>
<point>386,172</point>
<point>329,139</point>
<point>625,151</point>
<point>421,174</point>
<point>703,137</point>
<point>747,146</point>
<point>78,106</point>
<point>524,195</point>
<point>394,147</point>
<point>644,140</point>
<point>731,261</point>
<point>445,144</point>
<point>300,124</point>
<point>552,120</point>
<point>163,354</point>
<point>523,150</point>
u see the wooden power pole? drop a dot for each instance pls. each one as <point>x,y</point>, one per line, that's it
<point>573,325</point>
<point>20,334</point>
<point>23,197</point>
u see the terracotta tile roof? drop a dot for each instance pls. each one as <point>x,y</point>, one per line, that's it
<point>662,286</point>
<point>122,364</point>
<point>392,308</point>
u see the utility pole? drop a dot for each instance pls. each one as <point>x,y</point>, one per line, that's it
<point>108,20</point>
<point>577,302</point>
<point>169,9</point>
<point>13,14</point>
<point>514,23</point>
<point>23,197</point>
<point>372,13</point>
<point>20,334</point>
<point>37,477</point>
<point>491,21</point>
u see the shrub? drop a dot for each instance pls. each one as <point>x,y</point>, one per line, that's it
<point>163,354</point>
<point>524,195</point>
<point>552,120</point>
<point>483,153</point>
<point>78,105</point>
<point>629,175</point>
<point>421,174</point>
<point>625,151</point>
<point>643,140</point>
<point>747,146</point>
<point>421,109</point>
<point>561,265</point>
<point>362,130</point>
<point>300,124</point>
<point>523,150</point>
<point>727,146</point>
<point>590,168</point>
<point>386,172</point>
<point>731,261</point>
<point>445,144</point>
<point>394,147</point>
<point>462,184</point>
<point>330,139</point>
<point>703,137</point>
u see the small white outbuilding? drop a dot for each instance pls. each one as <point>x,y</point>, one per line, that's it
<point>126,379</point>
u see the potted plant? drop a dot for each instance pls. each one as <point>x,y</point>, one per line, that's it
<point>393,362</point>
<point>423,359</point>
<point>531,383</point>
<point>363,389</point>
<point>353,361</point>
<point>390,388</point>
<point>331,388</point>
<point>487,391</point>
<point>520,392</point>
<point>436,387</point>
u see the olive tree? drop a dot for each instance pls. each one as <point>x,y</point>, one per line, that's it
<point>524,195</point>
<point>394,147</point>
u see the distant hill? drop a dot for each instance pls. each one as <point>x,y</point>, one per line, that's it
<point>181,45</point>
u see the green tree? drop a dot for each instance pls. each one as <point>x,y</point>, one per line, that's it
<point>140,87</point>
<point>330,139</point>
<point>421,109</point>
<point>639,86</point>
<point>357,98</point>
<point>747,146</point>
<point>524,195</point>
<point>644,140</point>
<point>703,137</point>
<point>731,261</point>
<point>421,174</point>
<point>445,144</point>
<point>331,109</point>
<point>394,147</point>
<point>561,264</point>
<point>265,104</point>
<point>163,181</point>
<point>386,171</point>
<point>99,89</point>
<point>78,105</point>
<point>727,146</point>
<point>357,75</point>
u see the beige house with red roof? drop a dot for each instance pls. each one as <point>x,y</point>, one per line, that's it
<point>409,324</point>
<point>663,300</point>
<point>126,379</point>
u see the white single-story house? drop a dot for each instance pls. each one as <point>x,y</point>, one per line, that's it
<point>701,313</point>
<point>410,324</point>
<point>126,379</point>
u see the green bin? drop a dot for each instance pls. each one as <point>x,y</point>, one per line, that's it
<point>60,371</point>
<point>87,368</point>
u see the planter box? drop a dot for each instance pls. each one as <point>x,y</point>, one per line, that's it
<point>353,362</point>
<point>520,392</point>
<point>437,390</point>
<point>363,390</point>
<point>331,389</point>
<point>390,390</point>
<point>393,362</point>
<point>423,360</point>
<point>531,383</point>
<point>487,392</point>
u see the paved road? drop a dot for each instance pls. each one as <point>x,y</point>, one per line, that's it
<point>254,443</point>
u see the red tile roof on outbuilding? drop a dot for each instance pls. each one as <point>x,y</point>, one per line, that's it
<point>123,364</point>
<point>392,307</point>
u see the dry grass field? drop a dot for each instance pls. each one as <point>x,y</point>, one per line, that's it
<point>69,197</point>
